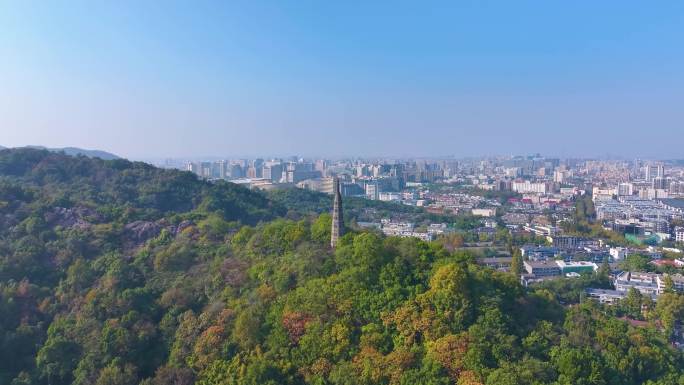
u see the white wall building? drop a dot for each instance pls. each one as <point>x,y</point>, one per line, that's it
<point>625,189</point>
<point>523,187</point>
<point>484,212</point>
<point>679,234</point>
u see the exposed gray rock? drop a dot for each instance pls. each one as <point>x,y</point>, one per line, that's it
<point>79,217</point>
<point>141,231</point>
<point>182,226</point>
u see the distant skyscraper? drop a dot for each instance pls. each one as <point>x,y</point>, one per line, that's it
<point>273,171</point>
<point>205,169</point>
<point>252,172</point>
<point>660,183</point>
<point>337,218</point>
<point>258,168</point>
<point>373,190</point>
<point>235,171</point>
<point>654,171</point>
<point>193,167</point>
<point>222,168</point>
<point>625,189</point>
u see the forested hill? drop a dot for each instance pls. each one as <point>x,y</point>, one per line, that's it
<point>120,190</point>
<point>118,273</point>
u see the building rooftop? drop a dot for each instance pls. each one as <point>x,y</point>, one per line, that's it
<point>576,264</point>
<point>675,203</point>
<point>495,260</point>
<point>542,264</point>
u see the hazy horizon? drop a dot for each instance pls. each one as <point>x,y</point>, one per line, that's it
<point>235,156</point>
<point>146,81</point>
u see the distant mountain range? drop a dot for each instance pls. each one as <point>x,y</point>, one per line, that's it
<point>75,151</point>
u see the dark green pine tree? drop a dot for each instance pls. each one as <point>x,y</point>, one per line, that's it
<point>516,262</point>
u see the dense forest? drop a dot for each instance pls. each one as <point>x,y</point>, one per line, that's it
<point>119,273</point>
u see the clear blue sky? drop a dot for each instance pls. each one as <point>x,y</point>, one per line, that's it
<point>160,78</point>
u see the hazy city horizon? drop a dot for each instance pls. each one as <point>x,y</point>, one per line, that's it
<point>388,156</point>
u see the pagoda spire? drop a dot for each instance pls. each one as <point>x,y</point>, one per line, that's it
<point>337,218</point>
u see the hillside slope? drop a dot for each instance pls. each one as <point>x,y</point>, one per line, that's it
<point>74,151</point>
<point>113,272</point>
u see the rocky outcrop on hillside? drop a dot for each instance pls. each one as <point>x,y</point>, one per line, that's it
<point>79,217</point>
<point>140,231</point>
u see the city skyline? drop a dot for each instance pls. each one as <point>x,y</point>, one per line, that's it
<point>159,160</point>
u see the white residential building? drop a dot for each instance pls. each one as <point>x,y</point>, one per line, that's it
<point>679,234</point>
<point>489,212</point>
<point>647,283</point>
<point>625,189</point>
<point>523,187</point>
